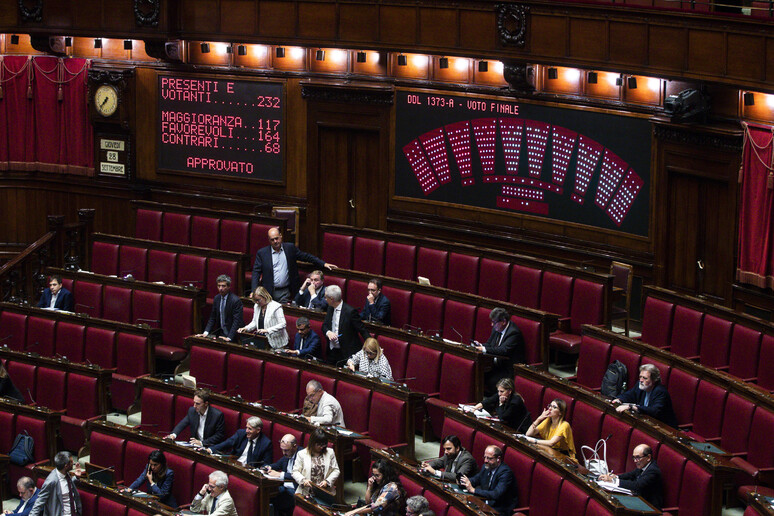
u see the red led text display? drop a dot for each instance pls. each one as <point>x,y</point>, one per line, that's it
<point>222,127</point>
<point>577,166</point>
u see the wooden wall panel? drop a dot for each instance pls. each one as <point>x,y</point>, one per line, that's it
<point>87,16</point>
<point>548,35</point>
<point>706,52</point>
<point>201,16</point>
<point>359,22</point>
<point>438,28</point>
<point>398,25</point>
<point>58,13</point>
<point>626,43</point>
<point>317,20</point>
<point>667,48</point>
<point>240,16</point>
<point>277,19</point>
<point>116,14</point>
<point>742,62</point>
<point>588,39</point>
<point>477,30</point>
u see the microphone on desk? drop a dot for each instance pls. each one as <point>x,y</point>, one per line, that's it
<point>27,350</point>
<point>341,363</point>
<point>95,472</point>
<point>83,306</point>
<point>145,425</point>
<point>190,283</point>
<point>462,339</point>
<point>434,334</point>
<point>60,357</point>
<point>163,376</point>
<point>233,390</point>
<point>6,338</point>
<point>208,385</point>
<point>408,327</point>
<point>31,398</point>
<point>522,421</point>
<point>127,274</point>
<point>402,380</point>
<point>140,320</point>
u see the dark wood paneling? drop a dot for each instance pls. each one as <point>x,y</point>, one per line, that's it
<point>398,25</point>
<point>239,16</point>
<point>201,16</point>
<point>548,34</point>
<point>667,47</point>
<point>626,43</point>
<point>476,30</point>
<point>438,27</point>
<point>317,20</point>
<point>742,62</point>
<point>588,39</point>
<point>58,13</point>
<point>359,22</point>
<point>277,19</point>
<point>706,52</point>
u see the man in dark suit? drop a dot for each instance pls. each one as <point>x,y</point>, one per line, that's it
<point>276,267</point>
<point>59,490</point>
<point>506,343</point>
<point>341,327</point>
<point>494,482</point>
<point>649,397</point>
<point>307,343</point>
<point>456,461</point>
<point>283,468</point>
<point>250,445</point>
<point>56,297</point>
<point>207,423</point>
<point>28,494</point>
<point>312,292</point>
<point>645,480</point>
<point>377,306</point>
<point>226,315</point>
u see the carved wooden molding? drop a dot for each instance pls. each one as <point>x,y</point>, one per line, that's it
<point>147,13</point>
<point>685,136</point>
<point>324,93</point>
<point>31,14</point>
<point>512,24</point>
<point>519,77</point>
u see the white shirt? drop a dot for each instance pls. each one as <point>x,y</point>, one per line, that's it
<point>279,263</point>
<point>53,299</point>
<point>65,487</point>
<point>335,320</point>
<point>200,430</point>
<point>243,458</point>
<point>21,508</point>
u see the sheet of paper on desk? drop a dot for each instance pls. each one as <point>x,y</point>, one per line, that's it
<point>184,443</point>
<point>610,486</point>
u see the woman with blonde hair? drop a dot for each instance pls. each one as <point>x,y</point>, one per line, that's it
<point>550,429</point>
<point>371,361</point>
<point>268,319</point>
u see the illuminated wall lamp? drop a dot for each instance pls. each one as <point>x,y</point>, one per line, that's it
<point>483,66</point>
<point>14,39</point>
<point>749,99</point>
<point>97,42</point>
<point>631,82</point>
<point>320,54</point>
<point>361,57</point>
<point>443,63</point>
<point>553,73</point>
<point>127,44</point>
<point>205,48</point>
<point>242,50</point>
<point>402,60</point>
<point>593,77</point>
<point>280,52</point>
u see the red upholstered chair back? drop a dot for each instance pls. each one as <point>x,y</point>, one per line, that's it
<point>632,362</point>
<point>148,224</point>
<point>480,442</point>
<point>588,304</point>
<point>709,409</point>
<point>13,330</point>
<point>176,228</point>
<point>134,261</point>
<point>525,286</point>
<point>104,258</point>
<point>556,293</point>
<point>427,312</point>
<point>760,442</point>
<point>355,405</point>
<point>672,464</point>
<point>177,319</point>
<point>396,352</point>
<point>107,450</point>
<point>369,255</point>
<point>205,232</point>
<point>216,267</point>
<point>546,485</point>
<point>183,487</point>
<point>259,238</point>
<point>464,432</point>
<point>356,293</point>
<point>657,322</point>
<point>391,430</point>
<point>424,365</point>
<point>82,396</point>
<point>133,358</point>
<point>586,424</point>
<point>235,236</point>
<point>157,410</point>
<point>244,377</point>
<point>715,341</point>
<point>432,264</point>
<point>463,273</point>
<point>522,467</point>
<point>695,490</point>
<point>745,343</point>
<point>53,388</point>
<point>37,430</point>
<point>593,360</point>
<point>400,305</point>
<point>100,347</point>
<point>191,270</point>
<point>737,421</point>
<point>532,332</point>
<point>459,319</point>
<point>494,279</point>
<point>572,500</point>
<point>532,393</point>
<point>41,336</point>
<point>88,298</point>
<point>640,437</point>
<point>337,249</point>
<point>457,379</point>
<point>328,384</point>
<point>70,341</point>
<point>685,384</point>
<point>135,460</point>
<point>146,308</point>
<point>162,266</point>
<point>112,507</point>
<point>24,376</point>
<point>437,504</point>
<point>117,304</point>
<point>208,366</point>
<point>618,449</point>
<point>400,261</point>
<point>765,371</point>
<point>280,383</point>
<point>686,331</point>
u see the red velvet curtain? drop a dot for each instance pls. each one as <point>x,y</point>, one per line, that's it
<point>756,223</point>
<point>44,122</point>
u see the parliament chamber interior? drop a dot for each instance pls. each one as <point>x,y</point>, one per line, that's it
<point>590,181</point>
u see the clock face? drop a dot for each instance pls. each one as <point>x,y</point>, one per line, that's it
<point>106,100</point>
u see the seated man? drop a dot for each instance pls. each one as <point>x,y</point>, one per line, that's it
<point>307,342</point>
<point>320,407</point>
<point>312,293</point>
<point>649,397</point>
<point>207,423</point>
<point>644,481</point>
<point>417,505</point>
<point>56,297</point>
<point>377,306</point>
<point>28,493</point>
<point>456,461</point>
<point>213,498</point>
<point>494,482</point>
<point>506,343</point>
<point>226,316</point>
<point>249,444</point>
<point>283,468</point>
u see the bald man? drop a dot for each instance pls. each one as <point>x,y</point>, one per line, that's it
<point>645,480</point>
<point>283,468</point>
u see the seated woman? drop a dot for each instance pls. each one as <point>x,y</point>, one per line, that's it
<point>159,479</point>
<point>7,388</point>
<point>552,429</point>
<point>268,319</point>
<point>385,494</point>
<point>316,466</point>
<point>371,361</point>
<point>507,405</point>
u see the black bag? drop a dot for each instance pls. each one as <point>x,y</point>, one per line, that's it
<point>21,451</point>
<point>614,380</point>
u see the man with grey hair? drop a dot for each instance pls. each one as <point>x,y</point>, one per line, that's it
<point>58,495</point>
<point>649,397</point>
<point>341,327</point>
<point>417,505</point>
<point>249,444</point>
<point>283,468</point>
<point>226,315</point>
<point>506,343</point>
<point>28,494</point>
<point>213,498</point>
<point>320,407</point>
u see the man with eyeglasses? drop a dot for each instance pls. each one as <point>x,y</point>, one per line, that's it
<point>506,344</point>
<point>494,482</point>
<point>645,480</point>
<point>283,468</point>
<point>649,397</point>
<point>307,342</point>
<point>417,505</point>
<point>377,306</point>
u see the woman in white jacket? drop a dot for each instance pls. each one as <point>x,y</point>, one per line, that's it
<point>316,465</point>
<point>268,319</point>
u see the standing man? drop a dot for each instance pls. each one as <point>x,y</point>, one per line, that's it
<point>226,315</point>
<point>28,494</point>
<point>645,480</point>
<point>58,495</point>
<point>249,444</point>
<point>341,327</point>
<point>207,423</point>
<point>283,468</point>
<point>377,306</point>
<point>56,297</point>
<point>494,482</point>
<point>213,498</point>
<point>276,267</point>
<point>312,292</point>
<point>456,461</point>
<point>506,343</point>
<point>307,342</point>
<point>649,397</point>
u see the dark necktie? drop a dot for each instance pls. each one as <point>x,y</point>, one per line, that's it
<point>214,502</point>
<point>223,314</point>
<point>71,487</point>
<point>491,478</point>
<point>250,451</point>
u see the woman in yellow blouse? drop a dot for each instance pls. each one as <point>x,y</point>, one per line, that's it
<point>550,429</point>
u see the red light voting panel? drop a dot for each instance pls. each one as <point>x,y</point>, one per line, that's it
<point>459,138</point>
<point>429,159</point>
<point>537,140</point>
<point>485,130</point>
<point>510,132</point>
<point>613,169</point>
